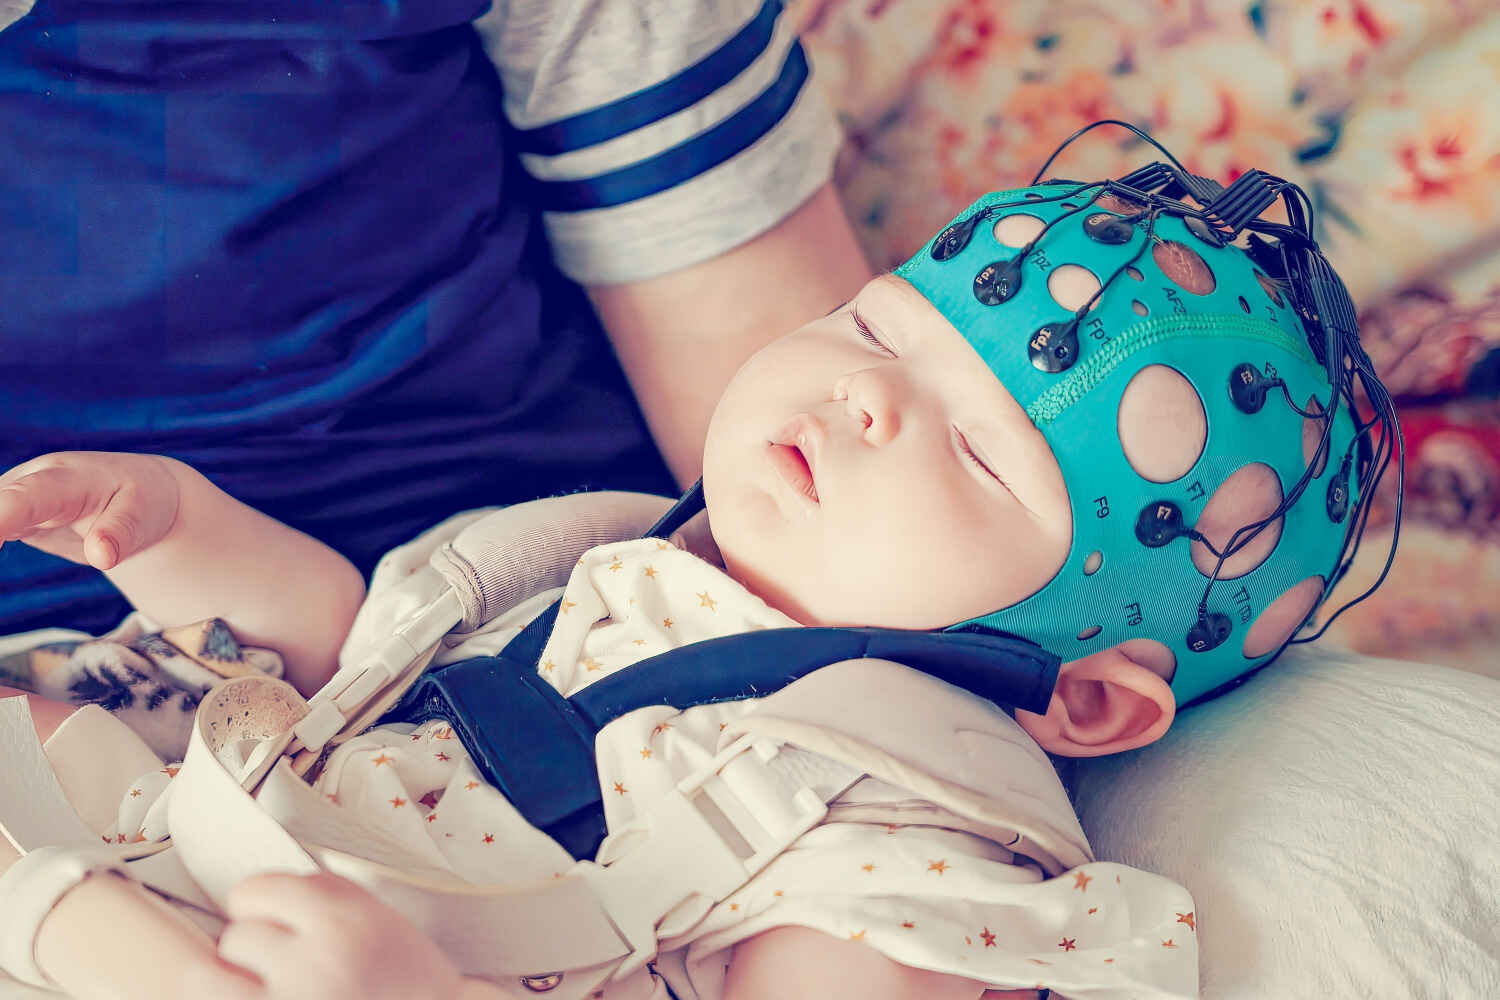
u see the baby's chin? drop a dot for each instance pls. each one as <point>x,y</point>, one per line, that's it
<point>862,609</point>
<point>755,577</point>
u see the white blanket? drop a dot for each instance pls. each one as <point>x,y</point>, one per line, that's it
<point>1337,820</point>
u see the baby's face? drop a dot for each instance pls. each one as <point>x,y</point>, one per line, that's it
<point>886,479</point>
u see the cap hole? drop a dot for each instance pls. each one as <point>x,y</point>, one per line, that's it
<point>1093,562</point>
<point>1162,424</point>
<point>1111,202</point>
<point>1269,287</point>
<point>1183,266</point>
<point>1090,632</point>
<point>1139,307</point>
<point>1312,435</point>
<point>1243,304</point>
<point>1282,618</point>
<point>1251,494</point>
<point>1072,286</point>
<point>1018,230</point>
<point>1135,273</point>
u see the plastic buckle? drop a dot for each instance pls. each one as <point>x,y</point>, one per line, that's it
<point>706,838</point>
<point>349,690</point>
<point>321,724</point>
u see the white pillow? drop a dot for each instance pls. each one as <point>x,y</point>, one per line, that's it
<point>1337,820</point>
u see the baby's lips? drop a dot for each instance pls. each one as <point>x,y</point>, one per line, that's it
<point>792,466</point>
<point>805,433</point>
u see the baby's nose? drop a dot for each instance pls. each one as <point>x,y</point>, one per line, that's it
<point>870,398</point>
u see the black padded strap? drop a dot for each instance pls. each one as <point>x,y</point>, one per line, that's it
<point>537,747</point>
<point>1006,670</point>
<point>690,504</point>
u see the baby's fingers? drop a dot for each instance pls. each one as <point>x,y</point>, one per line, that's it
<point>119,531</point>
<point>87,513</point>
<point>37,501</point>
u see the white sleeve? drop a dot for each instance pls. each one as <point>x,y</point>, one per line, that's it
<point>658,133</point>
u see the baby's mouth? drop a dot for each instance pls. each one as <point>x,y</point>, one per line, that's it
<point>792,465</point>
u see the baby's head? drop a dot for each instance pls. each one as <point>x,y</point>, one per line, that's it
<point>980,440</point>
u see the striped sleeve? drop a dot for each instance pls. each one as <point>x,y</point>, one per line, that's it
<point>659,133</point>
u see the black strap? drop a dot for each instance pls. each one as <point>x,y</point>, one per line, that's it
<point>1004,669</point>
<point>537,747</point>
<point>689,504</point>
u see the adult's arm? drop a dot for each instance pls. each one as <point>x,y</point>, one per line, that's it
<point>681,336</point>
<point>681,155</point>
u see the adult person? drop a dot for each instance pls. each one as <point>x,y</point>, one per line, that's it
<point>327,253</point>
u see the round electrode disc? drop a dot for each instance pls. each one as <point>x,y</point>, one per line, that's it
<point>998,282</point>
<point>1106,228</point>
<point>1054,347</point>
<point>951,241</point>
<point>1208,234</point>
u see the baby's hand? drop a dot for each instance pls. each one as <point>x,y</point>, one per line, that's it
<point>320,937</point>
<point>92,507</point>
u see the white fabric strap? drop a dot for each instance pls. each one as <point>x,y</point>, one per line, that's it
<point>91,759</point>
<point>220,833</point>
<point>705,840</point>
<point>958,751</point>
<point>700,844</point>
<point>95,757</point>
<point>34,811</point>
<point>354,697</point>
<point>500,560</point>
<point>481,564</point>
<point>693,847</point>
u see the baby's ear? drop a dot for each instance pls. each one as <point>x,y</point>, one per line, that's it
<point>1111,701</point>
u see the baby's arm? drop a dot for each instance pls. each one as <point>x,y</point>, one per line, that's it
<point>182,550</point>
<point>294,937</point>
<point>109,937</point>
<point>319,937</point>
<point>823,966</point>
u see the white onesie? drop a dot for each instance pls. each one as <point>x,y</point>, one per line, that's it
<point>887,868</point>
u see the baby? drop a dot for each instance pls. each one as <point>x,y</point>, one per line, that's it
<point>868,469</point>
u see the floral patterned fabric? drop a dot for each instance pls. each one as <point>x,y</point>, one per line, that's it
<point>149,678</point>
<point>1384,111</point>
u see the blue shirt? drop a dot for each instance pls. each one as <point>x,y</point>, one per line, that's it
<point>288,243</point>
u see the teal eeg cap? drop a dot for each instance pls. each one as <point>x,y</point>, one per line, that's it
<point>1246,345</point>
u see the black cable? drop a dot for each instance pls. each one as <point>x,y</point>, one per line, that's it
<point>1318,295</point>
<point>1152,214</point>
<point>1379,396</point>
<point>1089,128</point>
<point>1369,483</point>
